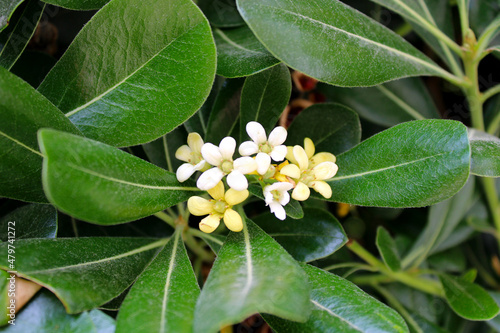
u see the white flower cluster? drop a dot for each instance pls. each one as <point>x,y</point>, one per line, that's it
<point>216,162</point>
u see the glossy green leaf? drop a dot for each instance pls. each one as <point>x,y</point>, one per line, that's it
<point>332,127</point>
<point>244,280</point>
<point>239,53</point>
<point>7,8</point>
<point>315,236</point>
<point>467,299</point>
<point>30,221</point>
<point>413,164</point>
<point>388,104</point>
<point>340,306</point>
<point>23,111</point>
<point>221,13</point>
<point>164,296</point>
<point>83,272</point>
<point>339,46</point>
<point>264,97</point>
<point>485,154</point>
<point>142,83</point>
<point>157,150</point>
<point>293,209</point>
<point>98,183</point>
<point>22,31</point>
<point>78,4</point>
<point>388,250</point>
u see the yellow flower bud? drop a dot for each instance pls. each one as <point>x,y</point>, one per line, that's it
<point>199,206</point>
<point>233,220</point>
<point>233,197</point>
<point>209,223</point>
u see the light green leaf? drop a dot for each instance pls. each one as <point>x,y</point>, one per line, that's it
<point>339,45</point>
<point>264,97</point>
<point>485,154</point>
<point>244,280</point>
<point>413,164</point>
<point>142,83</point>
<point>98,183</point>
<point>164,296</point>
<point>30,221</point>
<point>78,4</point>
<point>221,13</point>
<point>7,8</point>
<point>387,104</point>
<point>239,53</point>
<point>23,111</point>
<point>83,272</point>
<point>315,236</point>
<point>467,299</point>
<point>339,304</point>
<point>388,250</point>
<point>332,127</point>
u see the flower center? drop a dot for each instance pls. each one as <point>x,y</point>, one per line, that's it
<point>227,166</point>
<point>266,148</point>
<point>307,177</point>
<point>270,172</point>
<point>220,207</point>
<point>276,195</point>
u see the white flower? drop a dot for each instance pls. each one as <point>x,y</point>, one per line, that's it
<point>190,153</point>
<point>262,146</point>
<point>276,196</point>
<point>222,159</point>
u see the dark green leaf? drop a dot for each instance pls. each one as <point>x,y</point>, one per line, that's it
<point>467,299</point>
<point>413,164</point>
<point>83,272</point>
<point>340,306</point>
<point>98,183</point>
<point>339,45</point>
<point>388,104</point>
<point>452,260</point>
<point>30,221</point>
<point>214,241</point>
<point>239,53</point>
<point>33,66</point>
<point>78,4</point>
<point>156,150</point>
<point>388,250</point>
<point>485,154</point>
<point>293,209</point>
<point>315,236</point>
<point>332,127</point>
<point>7,7</point>
<point>164,296</point>
<point>221,13</point>
<point>23,111</point>
<point>245,280</point>
<point>144,81</point>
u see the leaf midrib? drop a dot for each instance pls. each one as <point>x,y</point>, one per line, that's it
<point>232,43</point>
<point>167,282</point>
<point>20,143</point>
<point>405,106</point>
<point>323,308</point>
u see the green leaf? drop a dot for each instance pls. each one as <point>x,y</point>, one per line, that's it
<point>83,272</point>
<point>388,250</point>
<point>264,97</point>
<point>339,304</point>
<point>98,183</point>
<point>495,322</point>
<point>23,111</point>
<point>7,8</point>
<point>164,296</point>
<point>413,164</point>
<point>332,127</point>
<point>142,83</point>
<point>402,100</point>
<point>244,280</point>
<point>30,221</point>
<point>23,28</point>
<point>78,4</point>
<point>452,260</point>
<point>239,53</point>
<point>221,13</point>
<point>315,236</point>
<point>157,150</point>
<point>33,66</point>
<point>339,46</point>
<point>485,152</point>
<point>293,209</point>
<point>214,241</point>
<point>467,299</point>
<point>102,322</point>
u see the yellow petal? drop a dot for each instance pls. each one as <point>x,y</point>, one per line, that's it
<point>199,206</point>
<point>233,220</point>
<point>217,192</point>
<point>291,170</point>
<point>195,142</point>
<point>325,170</point>
<point>323,157</point>
<point>289,155</point>
<point>301,192</point>
<point>183,153</point>
<point>234,197</point>
<point>309,147</point>
<point>300,155</point>
<point>209,223</point>
<point>322,188</point>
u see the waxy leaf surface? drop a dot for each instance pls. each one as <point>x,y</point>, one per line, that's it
<point>30,221</point>
<point>388,250</point>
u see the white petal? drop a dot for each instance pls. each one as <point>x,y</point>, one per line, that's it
<point>279,152</point>
<point>195,142</point>
<point>268,198</point>
<point>200,165</point>
<point>248,148</point>
<point>227,147</point>
<point>283,186</point>
<point>256,132</point>
<point>209,179</point>
<point>211,154</point>
<point>325,170</point>
<point>285,198</point>
<point>184,172</point>
<point>277,136</point>
<point>278,210</point>
<point>300,155</point>
<point>245,165</point>
<point>183,153</point>
<point>237,181</point>
<point>263,162</point>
